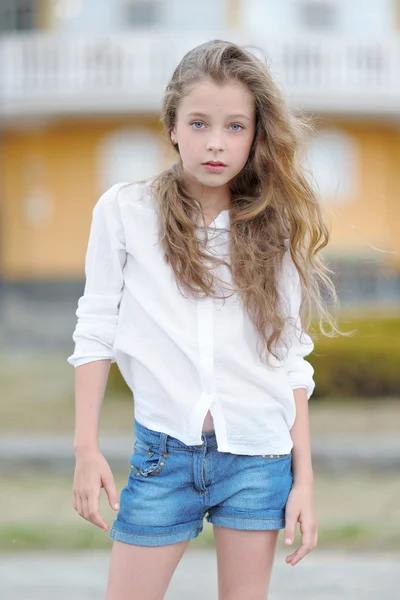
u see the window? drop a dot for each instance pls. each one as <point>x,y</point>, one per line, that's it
<point>142,13</point>
<point>318,15</point>
<point>332,161</point>
<point>129,155</point>
<point>18,15</point>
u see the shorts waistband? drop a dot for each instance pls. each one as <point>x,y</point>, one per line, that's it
<point>166,441</point>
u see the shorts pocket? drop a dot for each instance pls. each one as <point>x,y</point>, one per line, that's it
<point>147,460</point>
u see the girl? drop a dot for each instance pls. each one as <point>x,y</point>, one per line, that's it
<point>195,281</point>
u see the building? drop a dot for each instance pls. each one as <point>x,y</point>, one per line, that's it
<point>81,83</point>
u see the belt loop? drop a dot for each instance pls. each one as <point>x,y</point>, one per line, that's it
<point>163,442</point>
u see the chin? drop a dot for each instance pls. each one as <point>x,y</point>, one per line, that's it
<point>208,179</point>
<point>214,179</point>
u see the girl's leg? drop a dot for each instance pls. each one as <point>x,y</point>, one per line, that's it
<point>245,560</point>
<point>142,572</point>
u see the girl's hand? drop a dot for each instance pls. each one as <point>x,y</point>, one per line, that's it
<point>92,472</point>
<point>300,508</point>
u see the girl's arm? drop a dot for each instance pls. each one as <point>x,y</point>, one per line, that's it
<point>300,504</point>
<point>300,372</point>
<point>300,433</point>
<point>97,314</point>
<point>90,386</point>
<point>94,335</point>
<point>98,308</point>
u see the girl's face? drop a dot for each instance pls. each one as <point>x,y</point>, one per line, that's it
<point>215,123</point>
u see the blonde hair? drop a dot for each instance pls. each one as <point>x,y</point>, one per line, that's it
<point>275,211</point>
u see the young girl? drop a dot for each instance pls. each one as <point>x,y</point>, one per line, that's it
<point>195,281</point>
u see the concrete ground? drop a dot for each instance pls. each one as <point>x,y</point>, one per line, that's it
<point>321,575</point>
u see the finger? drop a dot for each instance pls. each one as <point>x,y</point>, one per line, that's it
<point>74,503</point>
<point>298,555</point>
<point>94,514</point>
<point>290,530</point>
<point>85,507</point>
<point>111,491</point>
<point>306,547</point>
<point>79,509</point>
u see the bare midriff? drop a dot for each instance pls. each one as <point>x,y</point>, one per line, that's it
<point>208,424</point>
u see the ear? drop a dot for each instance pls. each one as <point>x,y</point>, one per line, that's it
<point>173,138</point>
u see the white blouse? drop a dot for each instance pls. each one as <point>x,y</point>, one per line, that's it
<point>182,357</point>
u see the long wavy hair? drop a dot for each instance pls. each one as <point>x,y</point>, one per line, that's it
<point>275,211</point>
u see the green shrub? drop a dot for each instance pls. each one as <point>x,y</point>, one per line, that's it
<point>365,365</point>
<point>116,385</point>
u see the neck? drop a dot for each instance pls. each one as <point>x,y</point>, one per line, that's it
<point>212,199</point>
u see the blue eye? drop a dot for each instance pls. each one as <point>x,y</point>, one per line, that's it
<point>201,123</point>
<point>238,126</point>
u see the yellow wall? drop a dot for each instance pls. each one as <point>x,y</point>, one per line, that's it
<point>45,19</point>
<point>233,14</point>
<point>397,14</point>
<point>393,194</point>
<point>371,218</point>
<point>62,161</point>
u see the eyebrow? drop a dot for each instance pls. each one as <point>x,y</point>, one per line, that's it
<point>201,114</point>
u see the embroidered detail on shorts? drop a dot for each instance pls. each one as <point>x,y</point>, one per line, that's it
<point>142,461</point>
<point>273,456</point>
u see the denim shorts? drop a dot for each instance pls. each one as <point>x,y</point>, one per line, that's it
<point>172,486</point>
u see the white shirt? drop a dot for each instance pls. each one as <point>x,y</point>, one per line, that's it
<point>182,357</point>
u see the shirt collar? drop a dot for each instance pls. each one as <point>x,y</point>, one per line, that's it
<point>222,220</point>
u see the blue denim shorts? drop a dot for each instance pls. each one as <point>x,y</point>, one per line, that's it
<point>172,486</point>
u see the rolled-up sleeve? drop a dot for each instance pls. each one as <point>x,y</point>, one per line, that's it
<point>98,308</point>
<point>299,371</point>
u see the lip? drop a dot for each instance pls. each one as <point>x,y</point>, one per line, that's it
<point>215,163</point>
<point>214,167</point>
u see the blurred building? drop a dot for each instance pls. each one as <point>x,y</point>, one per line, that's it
<point>81,83</point>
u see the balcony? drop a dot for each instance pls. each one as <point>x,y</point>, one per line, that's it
<point>47,75</point>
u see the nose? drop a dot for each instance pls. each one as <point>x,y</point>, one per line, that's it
<point>215,142</point>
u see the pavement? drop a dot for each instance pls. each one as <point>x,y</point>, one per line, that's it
<point>321,575</point>
<point>330,452</point>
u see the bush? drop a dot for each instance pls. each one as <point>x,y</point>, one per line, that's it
<point>116,385</point>
<point>366,365</point>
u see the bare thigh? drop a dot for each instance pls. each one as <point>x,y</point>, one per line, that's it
<point>245,560</point>
<point>142,572</point>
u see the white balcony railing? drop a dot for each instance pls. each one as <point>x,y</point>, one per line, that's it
<point>56,75</point>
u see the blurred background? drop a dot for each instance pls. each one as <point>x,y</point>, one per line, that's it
<point>81,83</point>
